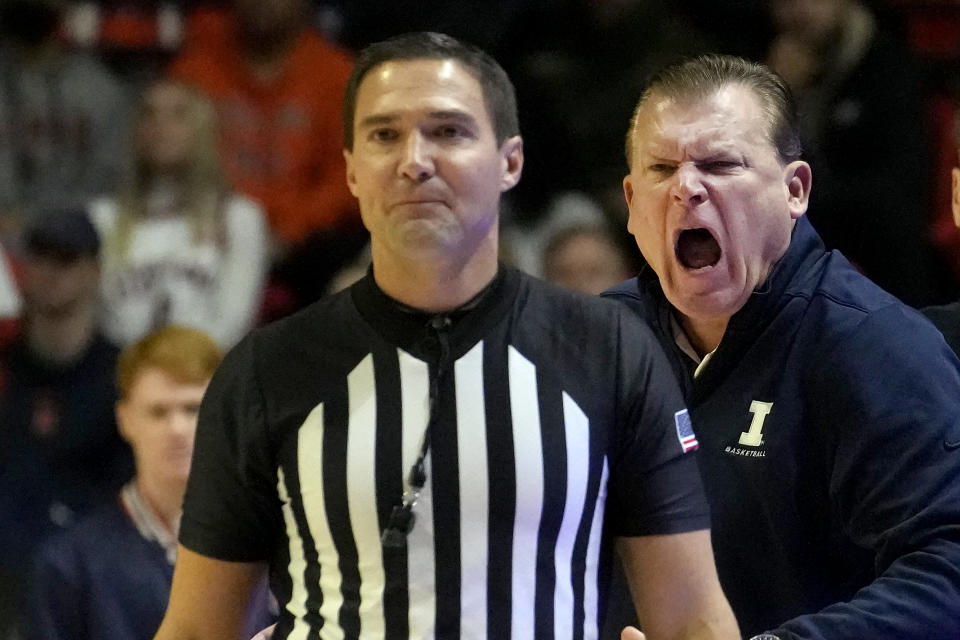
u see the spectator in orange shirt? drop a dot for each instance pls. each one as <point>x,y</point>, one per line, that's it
<point>277,85</point>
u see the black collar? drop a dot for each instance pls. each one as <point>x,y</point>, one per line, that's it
<point>407,327</point>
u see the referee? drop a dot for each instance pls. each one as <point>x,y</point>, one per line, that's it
<point>449,448</point>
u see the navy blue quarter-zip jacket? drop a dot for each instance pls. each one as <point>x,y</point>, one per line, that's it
<point>829,428</point>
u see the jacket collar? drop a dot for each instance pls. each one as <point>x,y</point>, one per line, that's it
<point>788,274</point>
<point>805,249</point>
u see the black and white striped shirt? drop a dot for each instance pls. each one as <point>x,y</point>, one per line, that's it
<point>555,430</point>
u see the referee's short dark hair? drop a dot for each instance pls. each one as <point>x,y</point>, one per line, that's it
<point>499,96</point>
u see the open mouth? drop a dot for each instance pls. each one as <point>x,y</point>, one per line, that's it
<point>417,203</point>
<point>697,249</point>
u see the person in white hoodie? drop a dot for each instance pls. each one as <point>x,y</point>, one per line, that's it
<point>179,246</point>
<point>10,300</point>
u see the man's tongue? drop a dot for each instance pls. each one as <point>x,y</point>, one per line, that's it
<point>697,248</point>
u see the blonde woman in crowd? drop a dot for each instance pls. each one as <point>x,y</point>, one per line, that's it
<point>178,245</point>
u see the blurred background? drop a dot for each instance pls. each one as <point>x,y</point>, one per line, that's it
<point>877,83</point>
<point>180,162</point>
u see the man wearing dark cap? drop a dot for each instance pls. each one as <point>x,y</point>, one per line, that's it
<point>60,453</point>
<point>64,234</point>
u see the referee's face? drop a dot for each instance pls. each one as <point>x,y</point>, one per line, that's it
<point>425,165</point>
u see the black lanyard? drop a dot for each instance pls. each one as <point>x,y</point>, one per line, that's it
<point>402,518</point>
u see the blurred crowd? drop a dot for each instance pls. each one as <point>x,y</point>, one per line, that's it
<point>171,162</point>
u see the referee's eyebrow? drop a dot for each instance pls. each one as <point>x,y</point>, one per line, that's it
<point>377,119</point>
<point>456,115</point>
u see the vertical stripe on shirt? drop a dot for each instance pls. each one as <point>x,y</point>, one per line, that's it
<point>549,399</point>
<point>361,496</point>
<point>334,477</point>
<point>445,481</point>
<point>390,478</point>
<point>297,605</point>
<point>315,536</point>
<point>591,598</point>
<point>577,433</point>
<point>594,470</point>
<point>474,499</point>
<point>502,491</point>
<point>415,409</point>
<point>309,461</point>
<point>527,448</point>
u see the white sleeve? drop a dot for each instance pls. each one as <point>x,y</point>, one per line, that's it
<point>103,215</point>
<point>9,295</point>
<point>245,264</point>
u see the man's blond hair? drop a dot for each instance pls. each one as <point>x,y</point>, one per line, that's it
<point>187,355</point>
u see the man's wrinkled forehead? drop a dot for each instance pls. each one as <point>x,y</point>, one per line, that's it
<point>725,119</point>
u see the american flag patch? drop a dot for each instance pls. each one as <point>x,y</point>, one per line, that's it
<point>688,441</point>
